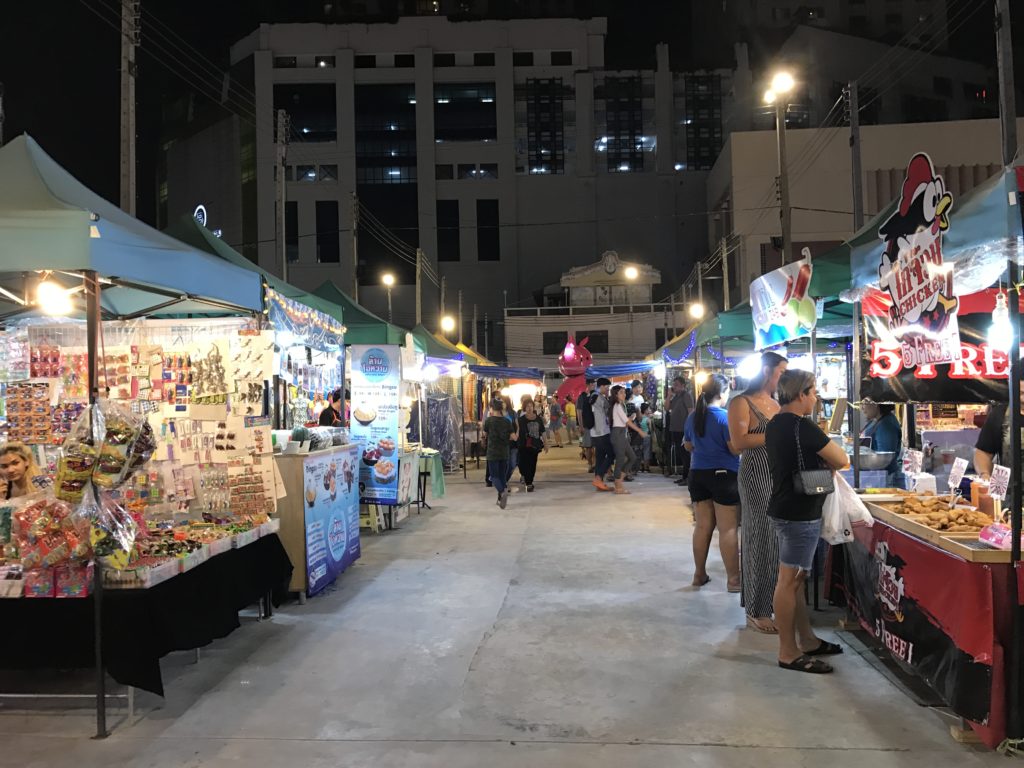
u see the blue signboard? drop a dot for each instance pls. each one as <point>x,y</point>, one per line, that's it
<point>376,377</point>
<point>331,495</point>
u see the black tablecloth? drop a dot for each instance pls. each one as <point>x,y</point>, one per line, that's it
<point>140,626</point>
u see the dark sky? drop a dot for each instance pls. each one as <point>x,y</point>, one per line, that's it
<point>60,63</point>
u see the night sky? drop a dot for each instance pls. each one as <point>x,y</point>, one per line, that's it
<point>60,63</point>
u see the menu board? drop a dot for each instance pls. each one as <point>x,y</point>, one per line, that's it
<point>332,515</point>
<point>376,376</point>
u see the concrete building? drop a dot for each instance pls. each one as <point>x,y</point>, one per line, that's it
<point>741,187</point>
<point>503,149</point>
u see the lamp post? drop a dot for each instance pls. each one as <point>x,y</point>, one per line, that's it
<point>389,281</point>
<point>447,324</point>
<point>782,85</point>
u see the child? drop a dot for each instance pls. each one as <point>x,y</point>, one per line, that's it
<point>499,432</point>
<point>645,442</point>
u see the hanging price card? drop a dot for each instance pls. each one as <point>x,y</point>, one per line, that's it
<point>912,462</point>
<point>956,473</point>
<point>999,482</point>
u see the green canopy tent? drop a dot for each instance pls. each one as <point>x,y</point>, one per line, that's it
<point>439,347</point>
<point>363,327</point>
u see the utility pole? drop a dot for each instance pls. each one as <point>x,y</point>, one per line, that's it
<point>726,289</point>
<point>487,324</point>
<point>130,34</point>
<point>1,114</point>
<point>460,315</point>
<point>853,108</point>
<point>444,284</point>
<point>419,286</point>
<point>355,247</point>
<point>781,106</point>
<point>474,328</point>
<point>282,188</point>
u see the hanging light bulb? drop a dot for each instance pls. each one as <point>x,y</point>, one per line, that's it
<point>1000,333</point>
<point>53,299</point>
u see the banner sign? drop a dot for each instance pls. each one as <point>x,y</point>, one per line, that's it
<point>332,514</point>
<point>781,309</point>
<point>922,315</point>
<point>376,376</point>
<point>931,610</point>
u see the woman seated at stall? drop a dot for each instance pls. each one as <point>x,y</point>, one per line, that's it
<point>17,470</point>
<point>886,436</point>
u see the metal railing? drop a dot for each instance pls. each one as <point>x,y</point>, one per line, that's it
<point>600,309</point>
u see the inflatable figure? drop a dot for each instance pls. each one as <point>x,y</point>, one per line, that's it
<point>573,363</point>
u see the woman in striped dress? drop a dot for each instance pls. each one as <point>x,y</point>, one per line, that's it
<point>749,415</point>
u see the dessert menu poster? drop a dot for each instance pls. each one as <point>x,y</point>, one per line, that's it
<point>376,376</point>
<point>331,499</point>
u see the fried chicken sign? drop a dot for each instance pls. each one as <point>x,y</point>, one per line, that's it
<point>922,318</point>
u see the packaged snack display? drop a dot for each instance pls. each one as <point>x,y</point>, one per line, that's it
<point>39,583</point>
<point>121,429</point>
<point>48,534</point>
<point>73,581</point>
<point>28,412</point>
<point>112,532</point>
<point>75,466</point>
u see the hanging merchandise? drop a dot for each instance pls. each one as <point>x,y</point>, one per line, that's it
<point>781,309</point>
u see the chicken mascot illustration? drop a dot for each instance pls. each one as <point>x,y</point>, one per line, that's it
<point>911,268</point>
<point>573,363</point>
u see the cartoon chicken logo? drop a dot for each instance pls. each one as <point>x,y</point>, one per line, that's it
<point>911,268</point>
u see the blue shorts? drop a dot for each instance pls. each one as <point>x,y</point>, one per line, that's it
<point>798,541</point>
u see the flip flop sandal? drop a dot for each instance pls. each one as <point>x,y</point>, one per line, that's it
<point>770,630</point>
<point>806,664</point>
<point>702,583</point>
<point>734,588</point>
<point>825,649</point>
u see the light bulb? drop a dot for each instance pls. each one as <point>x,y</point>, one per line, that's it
<point>53,299</point>
<point>696,311</point>
<point>701,378</point>
<point>632,273</point>
<point>1000,333</point>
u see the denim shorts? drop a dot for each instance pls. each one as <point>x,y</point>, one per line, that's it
<point>798,541</point>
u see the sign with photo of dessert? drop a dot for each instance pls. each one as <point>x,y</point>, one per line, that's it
<point>376,377</point>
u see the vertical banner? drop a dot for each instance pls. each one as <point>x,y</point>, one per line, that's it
<point>332,514</point>
<point>376,376</point>
<point>919,283</point>
<point>782,310</point>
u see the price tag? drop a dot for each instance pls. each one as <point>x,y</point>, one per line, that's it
<point>956,473</point>
<point>999,482</point>
<point>912,462</point>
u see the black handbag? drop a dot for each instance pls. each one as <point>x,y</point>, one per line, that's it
<point>810,482</point>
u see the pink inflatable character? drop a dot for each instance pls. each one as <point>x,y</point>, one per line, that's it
<point>573,363</point>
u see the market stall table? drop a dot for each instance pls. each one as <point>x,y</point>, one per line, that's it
<point>432,469</point>
<point>141,626</point>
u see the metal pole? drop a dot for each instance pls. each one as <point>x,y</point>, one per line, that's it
<point>282,189</point>
<point>726,288</point>
<point>444,284</point>
<point>1,114</point>
<point>700,285</point>
<point>129,41</point>
<point>785,212</point>
<point>391,317</point>
<point>462,412</point>
<point>474,328</point>
<point>460,315</point>
<point>355,247</point>
<point>419,286</point>
<point>92,322</point>
<point>487,349</point>
<point>858,223</point>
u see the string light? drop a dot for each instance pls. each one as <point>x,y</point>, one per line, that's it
<point>718,355</point>
<point>669,360</point>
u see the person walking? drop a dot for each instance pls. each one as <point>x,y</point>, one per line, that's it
<point>600,433</point>
<point>678,410</point>
<point>646,451</point>
<point>570,421</point>
<point>793,443</point>
<point>714,466</point>
<point>512,415</point>
<point>531,443</point>
<point>585,414</point>
<point>555,421</point>
<point>625,458</point>
<point>749,415</point>
<point>499,433</point>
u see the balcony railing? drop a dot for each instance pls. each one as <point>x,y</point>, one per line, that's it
<point>601,309</point>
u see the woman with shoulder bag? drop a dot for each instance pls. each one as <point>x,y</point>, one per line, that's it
<point>802,460</point>
<point>531,443</point>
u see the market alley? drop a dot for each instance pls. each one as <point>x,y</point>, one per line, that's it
<point>558,632</point>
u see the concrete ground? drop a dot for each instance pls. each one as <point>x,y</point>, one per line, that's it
<point>560,632</point>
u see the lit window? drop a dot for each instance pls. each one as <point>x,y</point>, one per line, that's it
<point>306,172</point>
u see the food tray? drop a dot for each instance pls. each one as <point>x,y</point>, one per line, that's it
<point>246,538</point>
<point>963,545</point>
<point>143,577</point>
<point>273,525</point>
<point>192,559</point>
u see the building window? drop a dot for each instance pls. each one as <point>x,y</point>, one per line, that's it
<point>545,125</point>
<point>467,171</point>
<point>465,112</point>
<point>328,172</point>
<point>974,92</point>
<point>444,172</point>
<point>702,118</point>
<point>444,59</point>
<point>448,230</point>
<point>428,7</point>
<point>859,25</point>
<point>554,342</point>
<point>328,249</point>
<point>487,171</point>
<point>598,344</point>
<point>522,58</point>
<point>921,109</point>
<point>367,61</point>
<point>405,60</point>
<point>285,62</point>
<point>624,117</point>
<point>385,122</point>
<point>305,173</point>
<point>488,241</point>
<point>943,86</point>
<point>561,58</point>
<point>311,107</point>
<point>483,59</point>
<point>291,230</point>
<point>325,62</point>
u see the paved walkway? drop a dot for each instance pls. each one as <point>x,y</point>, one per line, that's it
<point>556,633</point>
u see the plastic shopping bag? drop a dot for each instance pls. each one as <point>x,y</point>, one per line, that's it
<point>852,503</point>
<point>836,527</point>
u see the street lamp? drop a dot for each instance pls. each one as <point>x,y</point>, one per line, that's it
<point>697,311</point>
<point>389,280</point>
<point>632,273</point>
<point>782,85</point>
<point>447,323</point>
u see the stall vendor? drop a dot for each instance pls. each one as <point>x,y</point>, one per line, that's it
<point>17,468</point>
<point>886,435</point>
<point>331,415</point>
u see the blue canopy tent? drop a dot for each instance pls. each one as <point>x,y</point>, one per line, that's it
<point>50,222</point>
<point>501,372</point>
<point>621,370</point>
